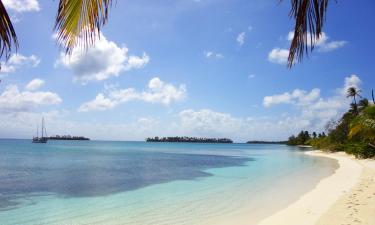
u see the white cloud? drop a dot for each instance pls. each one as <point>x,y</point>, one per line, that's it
<point>351,81</point>
<point>323,44</point>
<point>213,55</point>
<point>318,42</point>
<point>17,60</point>
<point>297,97</point>
<point>277,99</point>
<point>147,124</point>
<point>251,76</point>
<point>330,46</point>
<point>207,121</point>
<point>55,35</point>
<point>14,100</point>
<point>157,92</point>
<point>278,55</point>
<point>22,5</point>
<point>34,84</point>
<point>102,61</point>
<point>312,113</point>
<point>100,103</point>
<point>315,110</point>
<point>241,38</point>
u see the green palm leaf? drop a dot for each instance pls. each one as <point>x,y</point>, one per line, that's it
<point>78,22</point>
<point>8,37</point>
<point>309,17</point>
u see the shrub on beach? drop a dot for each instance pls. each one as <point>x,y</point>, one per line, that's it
<point>360,150</point>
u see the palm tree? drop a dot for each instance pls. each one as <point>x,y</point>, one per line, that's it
<point>372,94</point>
<point>78,23</point>
<point>352,92</point>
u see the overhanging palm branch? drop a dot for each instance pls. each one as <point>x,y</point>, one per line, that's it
<point>78,22</point>
<point>8,37</point>
<point>309,16</point>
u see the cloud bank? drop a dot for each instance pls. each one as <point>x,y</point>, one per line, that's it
<point>157,92</point>
<point>16,61</point>
<point>22,5</point>
<point>14,100</point>
<point>102,61</point>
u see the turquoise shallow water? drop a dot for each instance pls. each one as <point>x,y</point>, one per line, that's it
<point>92,182</point>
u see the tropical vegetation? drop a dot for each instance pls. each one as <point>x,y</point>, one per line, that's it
<point>353,133</point>
<point>189,139</point>
<point>267,142</point>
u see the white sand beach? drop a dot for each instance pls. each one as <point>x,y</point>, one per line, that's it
<point>346,197</point>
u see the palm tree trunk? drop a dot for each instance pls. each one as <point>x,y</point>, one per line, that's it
<point>372,93</point>
<point>355,102</point>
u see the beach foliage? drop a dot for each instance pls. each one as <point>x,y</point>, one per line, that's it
<point>353,133</point>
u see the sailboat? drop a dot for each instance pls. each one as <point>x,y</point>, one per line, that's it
<point>43,138</point>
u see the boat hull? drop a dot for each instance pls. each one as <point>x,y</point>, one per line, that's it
<point>40,140</point>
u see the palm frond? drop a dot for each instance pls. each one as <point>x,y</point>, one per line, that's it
<point>8,37</point>
<point>78,22</point>
<point>309,16</point>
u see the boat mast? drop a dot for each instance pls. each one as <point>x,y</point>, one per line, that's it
<point>45,131</point>
<point>42,126</point>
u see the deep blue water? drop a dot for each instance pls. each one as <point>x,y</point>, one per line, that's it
<point>95,168</point>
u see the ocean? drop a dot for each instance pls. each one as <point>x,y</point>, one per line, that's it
<point>109,182</point>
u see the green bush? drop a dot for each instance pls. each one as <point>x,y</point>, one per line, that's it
<point>354,133</point>
<point>359,149</point>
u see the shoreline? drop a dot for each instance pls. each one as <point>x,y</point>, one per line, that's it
<point>328,201</point>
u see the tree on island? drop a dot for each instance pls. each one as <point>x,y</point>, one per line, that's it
<point>189,139</point>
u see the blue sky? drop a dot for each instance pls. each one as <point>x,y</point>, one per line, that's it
<point>211,68</point>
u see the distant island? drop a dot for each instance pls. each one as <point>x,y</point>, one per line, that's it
<point>189,139</point>
<point>267,142</point>
<point>68,138</point>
